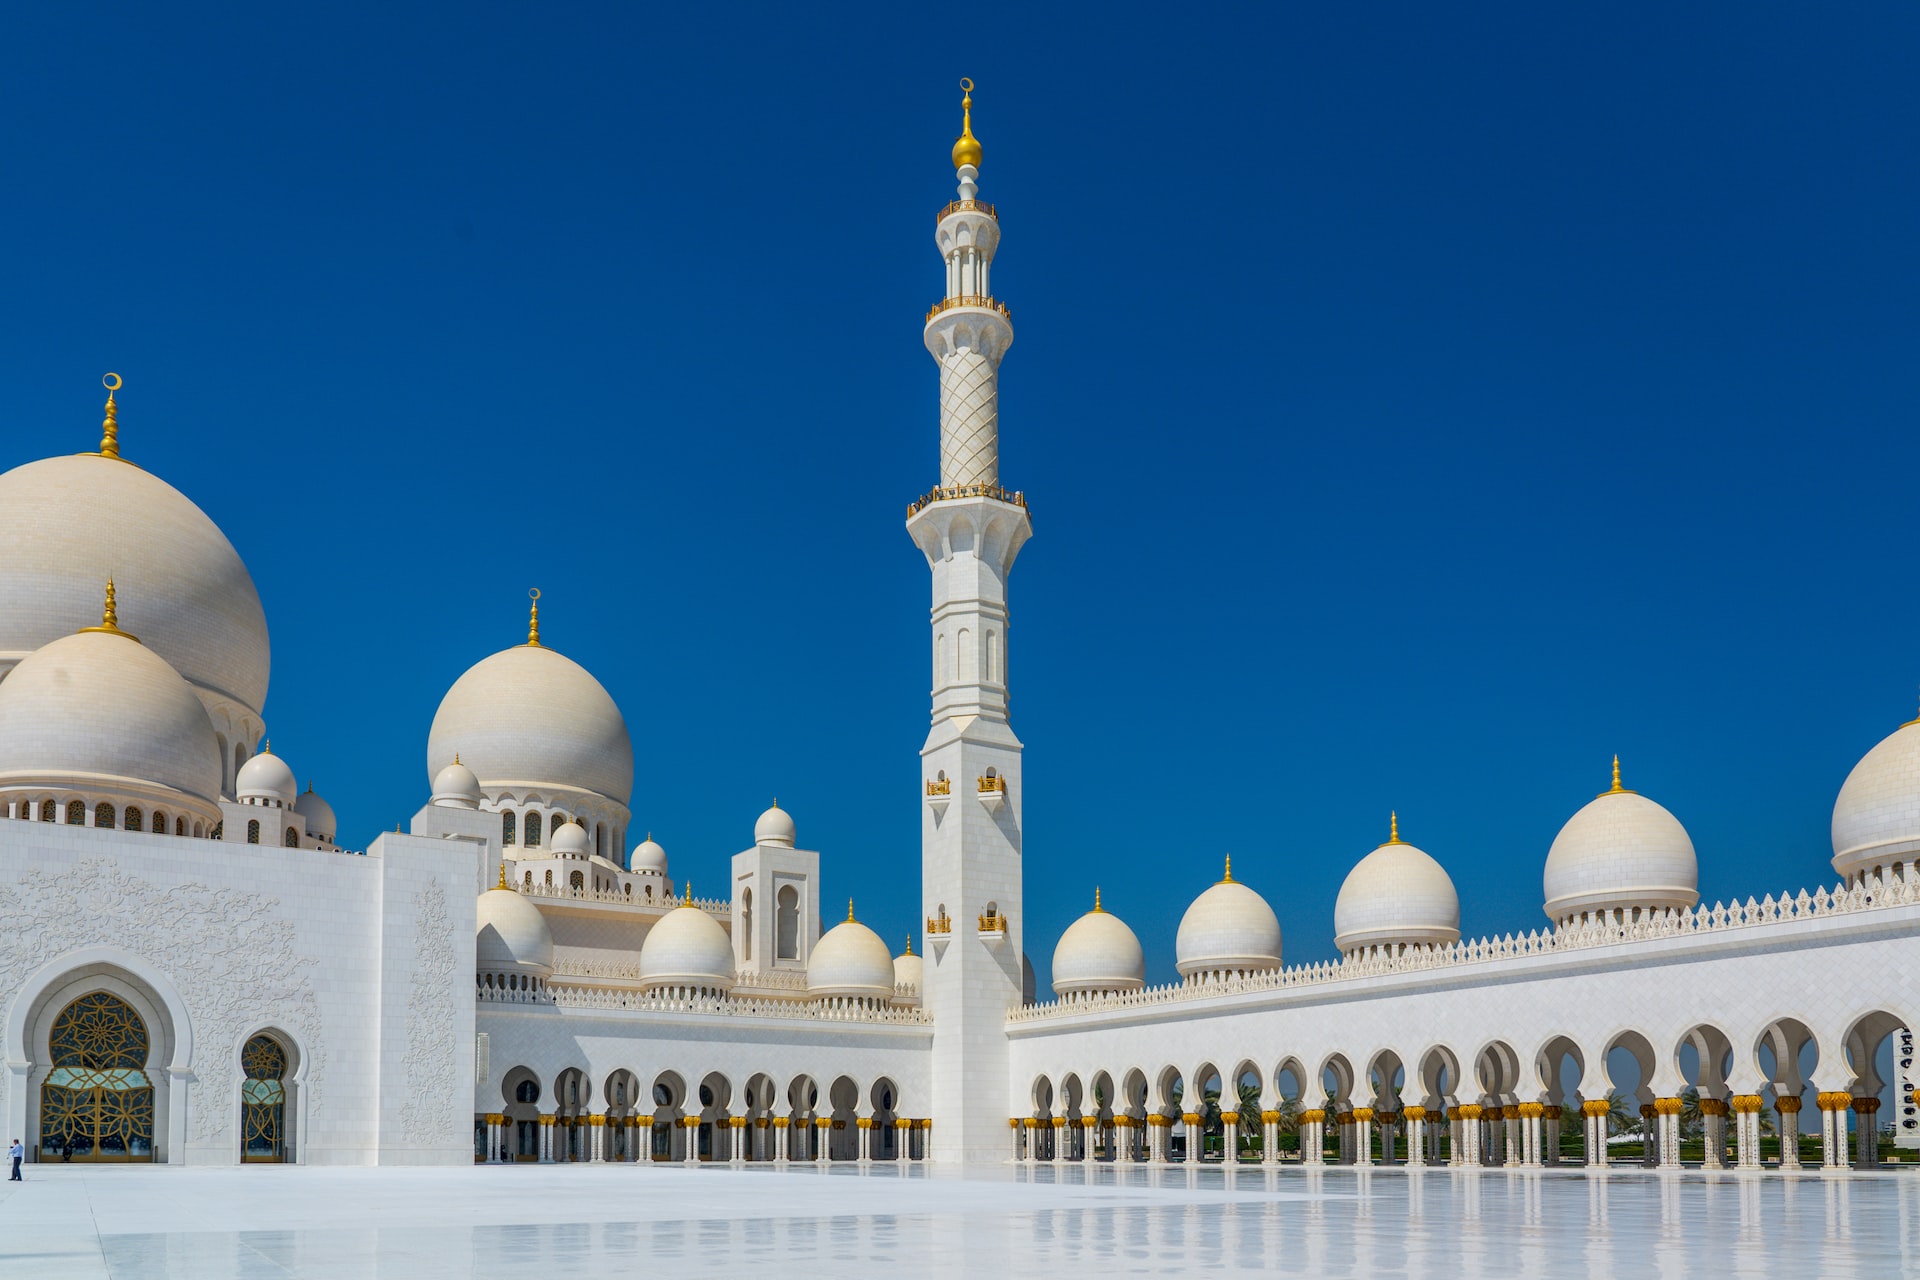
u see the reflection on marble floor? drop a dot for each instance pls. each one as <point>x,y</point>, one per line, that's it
<point>565,1221</point>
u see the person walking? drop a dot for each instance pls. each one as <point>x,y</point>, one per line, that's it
<point>17,1153</point>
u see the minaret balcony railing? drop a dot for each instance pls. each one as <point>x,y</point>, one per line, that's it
<point>993,783</point>
<point>940,924</point>
<point>961,206</point>
<point>993,491</point>
<point>940,787</point>
<point>969,300</point>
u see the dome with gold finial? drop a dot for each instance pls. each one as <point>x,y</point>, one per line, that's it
<point>99,715</point>
<point>1876,816</point>
<point>1396,896</point>
<point>511,936</point>
<point>1098,955</point>
<point>850,960</point>
<point>66,523</point>
<point>966,148</point>
<point>1228,930</point>
<point>687,948</point>
<point>1621,854</point>
<point>531,721</point>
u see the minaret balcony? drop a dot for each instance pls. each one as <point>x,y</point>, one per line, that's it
<point>939,795</point>
<point>969,300</point>
<point>993,794</point>
<point>968,206</point>
<point>993,928</point>
<point>1012,497</point>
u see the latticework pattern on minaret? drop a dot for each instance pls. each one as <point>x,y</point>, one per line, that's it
<point>969,420</point>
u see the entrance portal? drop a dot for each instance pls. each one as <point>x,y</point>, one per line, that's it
<point>97,1103</point>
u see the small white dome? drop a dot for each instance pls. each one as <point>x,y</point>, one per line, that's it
<point>512,935</point>
<point>1396,895</point>
<point>318,813</point>
<point>774,827</point>
<point>102,713</point>
<point>1098,952</point>
<point>908,971</point>
<point>850,960</point>
<point>530,718</point>
<point>648,857</point>
<point>1621,852</point>
<point>687,948</point>
<point>1876,819</point>
<point>1229,928</point>
<point>569,840</point>
<point>456,787</point>
<point>266,777</point>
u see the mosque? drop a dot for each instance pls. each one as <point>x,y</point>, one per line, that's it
<point>196,966</point>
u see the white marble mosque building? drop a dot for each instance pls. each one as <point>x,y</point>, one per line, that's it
<point>516,978</point>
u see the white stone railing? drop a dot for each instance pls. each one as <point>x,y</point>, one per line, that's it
<point>773,979</point>
<point>571,968</point>
<point>712,906</point>
<point>568,997</point>
<point>1870,895</point>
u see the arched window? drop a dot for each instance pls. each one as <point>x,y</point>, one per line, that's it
<point>103,814</point>
<point>136,821</point>
<point>506,827</point>
<point>180,826</point>
<point>291,838</point>
<point>746,925</point>
<point>263,1101</point>
<point>527,1091</point>
<point>529,880</point>
<point>159,824</point>
<point>533,830</point>
<point>787,924</point>
<point>76,812</point>
<point>577,881</point>
<point>549,879</point>
<point>97,1102</point>
<point>253,832</point>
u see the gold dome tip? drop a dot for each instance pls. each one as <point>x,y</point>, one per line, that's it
<point>1098,909</point>
<point>533,619</point>
<point>1616,789</point>
<point>849,910</point>
<point>1393,828</point>
<point>966,148</point>
<point>689,888</point>
<point>110,425</point>
<point>110,619</point>
<point>909,944</point>
<point>1228,877</point>
<point>503,875</point>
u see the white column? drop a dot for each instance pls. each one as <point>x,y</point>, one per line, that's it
<point>493,1140</point>
<point>1713,1131</point>
<point>1866,1139</point>
<point>1311,1147</point>
<point>1230,1138</point>
<point>823,1131</point>
<point>691,1126</point>
<point>1746,1129</point>
<point>865,1125</point>
<point>1362,1130</point>
<point>546,1126</point>
<point>1269,1137</point>
<point>1416,1122</point>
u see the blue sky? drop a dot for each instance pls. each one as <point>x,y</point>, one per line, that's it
<point>1417,406</point>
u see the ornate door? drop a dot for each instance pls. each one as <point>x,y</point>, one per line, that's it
<point>263,1101</point>
<point>97,1102</point>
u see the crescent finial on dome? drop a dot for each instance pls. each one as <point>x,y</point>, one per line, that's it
<point>966,148</point>
<point>110,425</point>
<point>110,619</point>
<point>533,619</point>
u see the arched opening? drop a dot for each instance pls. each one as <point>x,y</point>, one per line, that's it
<point>264,1135</point>
<point>135,820</point>
<point>787,923</point>
<point>760,1097</point>
<point>884,1143</point>
<point>76,812</point>
<point>532,837</point>
<point>97,1102</point>
<point>746,926</point>
<point>803,1095</point>
<point>509,831</point>
<point>716,1092</point>
<point>103,814</point>
<point>622,1094</point>
<point>253,831</point>
<point>844,1140</point>
<point>572,1103</point>
<point>669,1135</point>
<point>1629,1062</point>
<point>520,1142</point>
<point>290,839</point>
<point>1245,1099</point>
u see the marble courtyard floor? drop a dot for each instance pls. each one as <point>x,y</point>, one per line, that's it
<point>556,1222</point>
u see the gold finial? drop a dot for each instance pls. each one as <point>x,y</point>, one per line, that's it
<point>456,757</point>
<point>1616,789</point>
<point>849,910</point>
<point>1228,877</point>
<point>533,621</point>
<point>1393,828</point>
<point>110,619</point>
<point>966,148</point>
<point>110,425</point>
<point>503,875</point>
<point>689,886</point>
<point>266,747</point>
<point>909,944</point>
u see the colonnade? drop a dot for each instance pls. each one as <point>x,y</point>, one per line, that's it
<point>736,1140</point>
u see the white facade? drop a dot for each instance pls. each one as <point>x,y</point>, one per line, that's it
<point>192,970</point>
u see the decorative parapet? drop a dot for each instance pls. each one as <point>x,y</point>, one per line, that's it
<point>720,907</point>
<point>943,494</point>
<point>772,979</point>
<point>571,997</point>
<point>1874,894</point>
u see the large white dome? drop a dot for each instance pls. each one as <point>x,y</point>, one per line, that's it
<point>687,948</point>
<point>1396,895</point>
<point>102,713</point>
<point>513,936</point>
<point>1876,819</point>
<point>1098,952</point>
<point>1228,929</point>
<point>775,826</point>
<point>528,718</point>
<point>850,960</point>
<point>1621,852</point>
<point>67,524</point>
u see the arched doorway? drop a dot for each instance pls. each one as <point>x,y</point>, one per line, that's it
<point>97,1102</point>
<point>263,1101</point>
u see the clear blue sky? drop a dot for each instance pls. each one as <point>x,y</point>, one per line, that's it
<point>1417,405</point>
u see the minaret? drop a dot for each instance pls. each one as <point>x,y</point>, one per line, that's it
<point>970,530</point>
